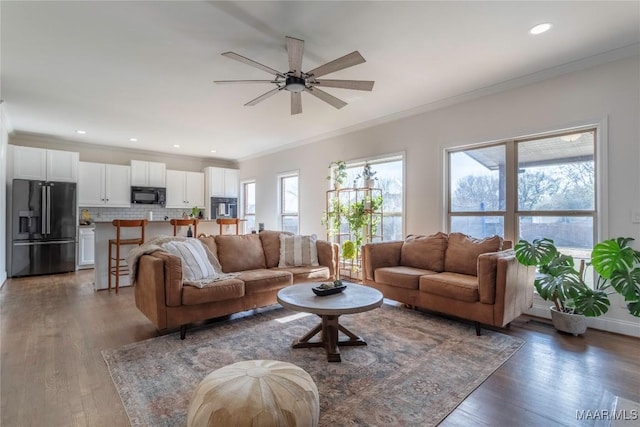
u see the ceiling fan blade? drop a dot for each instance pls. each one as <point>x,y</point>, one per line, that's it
<point>253,63</point>
<point>346,84</point>
<point>224,82</point>
<point>263,97</point>
<point>330,99</point>
<point>295,49</point>
<point>349,60</point>
<point>296,103</point>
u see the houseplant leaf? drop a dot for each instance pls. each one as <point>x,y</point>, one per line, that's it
<point>612,255</point>
<point>591,303</point>
<point>539,252</point>
<point>627,283</point>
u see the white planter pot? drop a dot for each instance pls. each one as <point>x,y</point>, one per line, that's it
<point>575,324</point>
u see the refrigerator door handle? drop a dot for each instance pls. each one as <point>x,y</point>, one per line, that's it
<point>43,210</point>
<point>48,210</point>
<point>55,242</point>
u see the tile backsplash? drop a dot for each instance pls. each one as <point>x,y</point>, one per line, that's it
<point>134,212</point>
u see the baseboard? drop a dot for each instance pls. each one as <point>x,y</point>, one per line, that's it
<point>603,323</point>
<point>3,278</point>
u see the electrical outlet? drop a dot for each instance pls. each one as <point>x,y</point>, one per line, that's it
<point>635,216</point>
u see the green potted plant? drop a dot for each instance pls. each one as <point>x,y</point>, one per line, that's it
<point>332,218</point>
<point>368,176</point>
<point>348,250</point>
<point>338,173</point>
<point>359,214</point>
<point>558,280</point>
<point>618,268</point>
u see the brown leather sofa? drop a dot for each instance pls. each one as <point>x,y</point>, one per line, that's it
<point>477,280</point>
<point>162,297</point>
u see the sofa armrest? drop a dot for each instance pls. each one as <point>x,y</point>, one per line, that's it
<point>328,256</point>
<point>513,290</point>
<point>378,255</point>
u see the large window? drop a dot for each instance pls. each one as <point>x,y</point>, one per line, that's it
<point>249,205</point>
<point>529,188</point>
<point>289,205</point>
<point>389,177</point>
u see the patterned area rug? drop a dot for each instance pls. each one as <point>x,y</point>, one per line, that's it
<point>414,371</point>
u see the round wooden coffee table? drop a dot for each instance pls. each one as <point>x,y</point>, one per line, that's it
<point>354,299</point>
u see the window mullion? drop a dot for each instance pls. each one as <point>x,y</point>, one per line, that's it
<point>511,187</point>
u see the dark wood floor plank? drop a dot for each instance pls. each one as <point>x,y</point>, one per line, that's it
<point>53,329</point>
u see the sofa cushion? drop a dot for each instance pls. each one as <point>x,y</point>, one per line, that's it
<point>239,253</point>
<point>296,251</point>
<point>217,291</point>
<point>425,252</point>
<point>210,243</point>
<point>308,273</point>
<point>401,276</point>
<point>195,264</point>
<point>461,287</point>
<point>462,252</point>
<point>271,246</point>
<point>262,280</point>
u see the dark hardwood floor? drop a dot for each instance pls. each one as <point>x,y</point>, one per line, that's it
<point>53,329</point>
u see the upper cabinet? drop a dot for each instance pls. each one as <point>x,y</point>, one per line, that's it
<point>222,182</point>
<point>45,165</point>
<point>185,189</point>
<point>148,174</point>
<point>104,185</point>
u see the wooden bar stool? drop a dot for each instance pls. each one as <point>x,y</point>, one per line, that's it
<point>227,221</point>
<point>120,269</point>
<point>181,222</point>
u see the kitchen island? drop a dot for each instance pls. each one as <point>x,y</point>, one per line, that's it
<point>105,231</point>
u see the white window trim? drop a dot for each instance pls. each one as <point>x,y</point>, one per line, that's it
<point>243,214</point>
<point>601,216</point>
<point>282,214</point>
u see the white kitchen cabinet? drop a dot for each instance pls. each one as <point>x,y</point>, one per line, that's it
<point>222,182</point>
<point>45,165</point>
<point>104,185</point>
<point>185,189</point>
<point>86,246</point>
<point>148,174</point>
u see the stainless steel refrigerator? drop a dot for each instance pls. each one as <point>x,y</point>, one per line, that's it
<point>43,227</point>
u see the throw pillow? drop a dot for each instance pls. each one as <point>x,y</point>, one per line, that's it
<point>425,252</point>
<point>463,251</point>
<point>296,251</point>
<point>240,252</point>
<point>195,263</point>
<point>271,246</point>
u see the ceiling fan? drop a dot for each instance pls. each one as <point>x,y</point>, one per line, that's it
<point>296,81</point>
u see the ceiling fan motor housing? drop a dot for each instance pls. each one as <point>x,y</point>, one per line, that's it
<point>294,84</point>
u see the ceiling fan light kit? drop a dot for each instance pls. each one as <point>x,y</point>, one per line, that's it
<point>296,81</point>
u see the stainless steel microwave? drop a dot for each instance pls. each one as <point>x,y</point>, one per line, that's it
<point>148,195</point>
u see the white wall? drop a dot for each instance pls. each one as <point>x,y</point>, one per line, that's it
<point>608,93</point>
<point>3,197</point>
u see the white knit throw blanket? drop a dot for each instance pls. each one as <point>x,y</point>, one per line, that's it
<point>155,244</point>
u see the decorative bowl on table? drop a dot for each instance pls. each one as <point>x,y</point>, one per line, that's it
<point>329,288</point>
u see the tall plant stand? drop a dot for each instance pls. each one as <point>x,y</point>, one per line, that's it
<point>353,214</point>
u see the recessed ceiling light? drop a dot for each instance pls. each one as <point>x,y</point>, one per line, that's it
<point>81,132</point>
<point>176,145</point>
<point>540,28</point>
<point>133,139</point>
<point>213,151</point>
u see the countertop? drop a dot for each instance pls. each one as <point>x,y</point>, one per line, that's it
<point>154,221</point>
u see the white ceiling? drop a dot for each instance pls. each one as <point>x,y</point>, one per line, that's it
<point>144,69</point>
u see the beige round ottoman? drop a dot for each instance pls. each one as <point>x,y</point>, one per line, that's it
<point>255,393</point>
